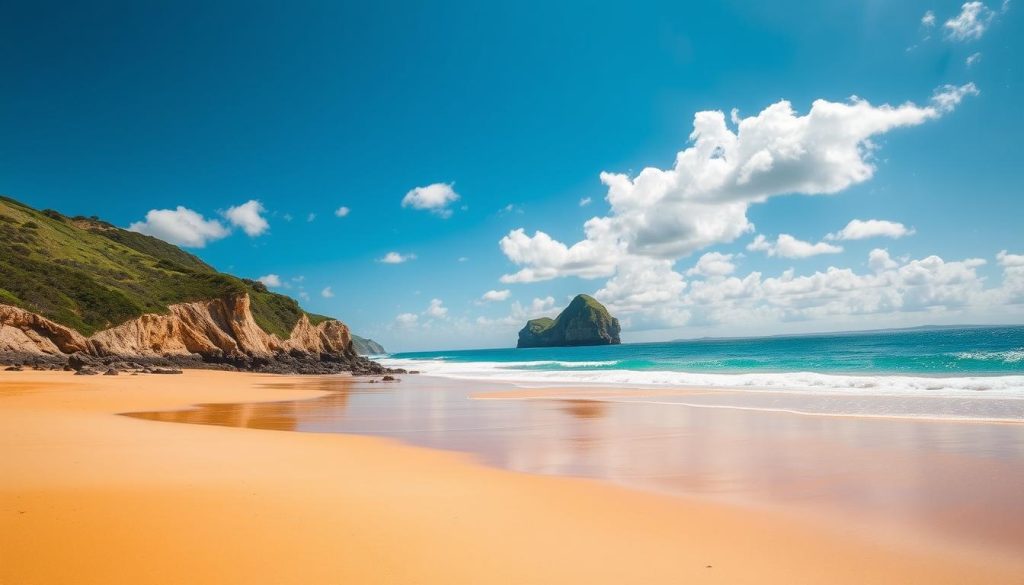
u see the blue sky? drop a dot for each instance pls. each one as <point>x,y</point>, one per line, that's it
<point>119,109</point>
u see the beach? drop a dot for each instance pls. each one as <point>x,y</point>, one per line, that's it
<point>88,496</point>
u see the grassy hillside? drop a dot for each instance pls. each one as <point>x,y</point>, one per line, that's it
<point>90,275</point>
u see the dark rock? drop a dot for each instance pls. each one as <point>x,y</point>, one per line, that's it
<point>79,360</point>
<point>111,372</point>
<point>389,379</point>
<point>86,371</point>
<point>13,368</point>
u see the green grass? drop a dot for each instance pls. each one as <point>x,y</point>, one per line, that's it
<point>91,275</point>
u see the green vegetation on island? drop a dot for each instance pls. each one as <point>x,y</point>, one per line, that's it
<point>584,322</point>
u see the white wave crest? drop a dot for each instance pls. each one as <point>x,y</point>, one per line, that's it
<point>1011,356</point>
<point>808,382</point>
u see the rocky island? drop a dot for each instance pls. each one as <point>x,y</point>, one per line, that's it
<point>584,322</point>
<point>80,293</point>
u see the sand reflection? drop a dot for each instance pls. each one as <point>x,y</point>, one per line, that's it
<point>958,481</point>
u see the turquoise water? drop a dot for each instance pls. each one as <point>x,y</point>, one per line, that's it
<point>957,359</point>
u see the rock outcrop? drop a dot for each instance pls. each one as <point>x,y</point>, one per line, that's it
<point>216,332</point>
<point>24,332</point>
<point>584,322</point>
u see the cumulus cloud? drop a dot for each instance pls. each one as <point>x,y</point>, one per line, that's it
<point>248,216</point>
<point>547,258</point>
<point>327,293</point>
<point>703,199</point>
<point>928,20</point>
<point>1013,276</point>
<point>879,259</point>
<point>180,226</point>
<point>496,295</point>
<point>972,59</point>
<point>713,264</point>
<point>271,280</point>
<point>786,246</point>
<point>342,211</point>
<point>519,314</point>
<point>972,22</point>
<point>931,284</point>
<point>436,309</point>
<point>872,228</point>
<point>585,201</point>
<point>434,198</point>
<point>396,258</point>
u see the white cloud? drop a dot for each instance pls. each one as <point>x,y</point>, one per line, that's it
<point>538,307</point>
<point>463,259</point>
<point>271,280</point>
<point>311,217</point>
<point>436,309</point>
<point>658,297</point>
<point>971,23</point>
<point>180,226</point>
<point>713,264</point>
<point>407,320</point>
<point>396,258</point>
<point>585,201</point>
<point>972,59</point>
<point>948,97</point>
<point>872,228</point>
<point>519,314</point>
<point>248,216</point>
<point>303,295</point>
<point>703,199</point>
<point>327,293</point>
<point>649,291</point>
<point>434,198</point>
<point>786,246</point>
<point>879,259</point>
<point>1013,276</point>
<point>342,211</point>
<point>546,258</point>
<point>928,20</point>
<point>496,295</point>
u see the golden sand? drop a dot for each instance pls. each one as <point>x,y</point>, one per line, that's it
<point>87,496</point>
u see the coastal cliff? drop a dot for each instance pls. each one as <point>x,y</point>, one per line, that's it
<point>219,331</point>
<point>81,291</point>
<point>584,322</point>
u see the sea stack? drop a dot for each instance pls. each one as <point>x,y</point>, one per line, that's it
<point>584,322</point>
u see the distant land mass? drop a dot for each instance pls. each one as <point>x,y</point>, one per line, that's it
<point>83,288</point>
<point>365,346</point>
<point>584,322</point>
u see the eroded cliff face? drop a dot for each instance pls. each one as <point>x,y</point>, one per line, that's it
<point>27,333</point>
<point>218,330</point>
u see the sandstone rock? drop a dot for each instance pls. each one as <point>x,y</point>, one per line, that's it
<point>24,332</point>
<point>219,333</point>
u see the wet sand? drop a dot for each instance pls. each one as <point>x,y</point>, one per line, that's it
<point>88,496</point>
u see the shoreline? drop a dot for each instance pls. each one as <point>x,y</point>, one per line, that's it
<point>328,506</point>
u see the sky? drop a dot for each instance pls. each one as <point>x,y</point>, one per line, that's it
<point>435,174</point>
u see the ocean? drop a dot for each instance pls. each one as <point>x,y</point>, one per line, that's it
<point>951,362</point>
